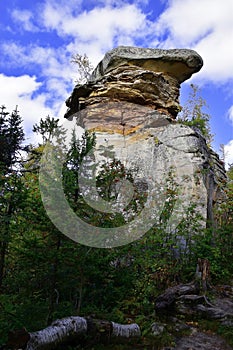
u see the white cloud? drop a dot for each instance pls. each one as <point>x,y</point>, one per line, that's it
<point>100,26</point>
<point>22,86</point>
<point>19,91</point>
<point>56,72</point>
<point>207,27</point>
<point>106,23</point>
<point>52,61</point>
<point>53,13</point>
<point>228,149</point>
<point>204,25</point>
<point>25,19</point>
<point>117,3</point>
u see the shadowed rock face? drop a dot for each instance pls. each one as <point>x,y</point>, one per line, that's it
<point>131,103</point>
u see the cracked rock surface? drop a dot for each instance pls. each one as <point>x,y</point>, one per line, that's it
<point>131,103</point>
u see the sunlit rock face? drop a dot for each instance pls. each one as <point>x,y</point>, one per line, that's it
<point>131,103</point>
<point>148,78</point>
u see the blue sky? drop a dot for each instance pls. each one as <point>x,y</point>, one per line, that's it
<point>38,39</point>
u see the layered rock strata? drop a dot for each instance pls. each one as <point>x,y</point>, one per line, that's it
<point>131,103</point>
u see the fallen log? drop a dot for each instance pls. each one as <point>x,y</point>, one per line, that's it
<point>70,329</point>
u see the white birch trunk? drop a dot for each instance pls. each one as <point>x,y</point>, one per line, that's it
<point>125,331</point>
<point>59,332</point>
<point>71,328</point>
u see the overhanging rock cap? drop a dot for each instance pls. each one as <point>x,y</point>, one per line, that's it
<point>179,63</point>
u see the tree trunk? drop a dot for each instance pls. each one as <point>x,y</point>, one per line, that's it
<point>4,239</point>
<point>71,329</point>
<point>203,273</point>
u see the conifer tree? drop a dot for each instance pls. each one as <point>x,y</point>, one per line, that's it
<point>46,128</point>
<point>11,138</point>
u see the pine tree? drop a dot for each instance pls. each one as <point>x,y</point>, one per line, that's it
<point>11,138</point>
<point>47,128</point>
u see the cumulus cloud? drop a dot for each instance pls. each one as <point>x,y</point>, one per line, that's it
<point>101,27</point>
<point>203,25</point>
<point>56,74</point>
<point>19,91</point>
<point>187,23</point>
<point>127,19</point>
<point>207,27</point>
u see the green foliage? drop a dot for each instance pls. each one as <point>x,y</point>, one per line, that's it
<point>48,276</point>
<point>11,138</point>
<point>193,113</point>
<point>48,128</point>
<point>227,333</point>
<point>11,189</point>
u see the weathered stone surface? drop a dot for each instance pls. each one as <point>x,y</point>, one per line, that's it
<point>201,341</point>
<point>122,118</point>
<point>149,77</point>
<point>131,103</point>
<point>185,299</point>
<point>184,302</point>
<point>180,63</point>
<point>131,84</point>
<point>152,144</point>
<point>168,298</point>
<point>157,329</point>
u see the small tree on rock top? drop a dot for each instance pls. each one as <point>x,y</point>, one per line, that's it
<point>193,115</point>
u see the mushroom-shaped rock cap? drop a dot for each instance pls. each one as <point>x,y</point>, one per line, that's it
<point>179,63</point>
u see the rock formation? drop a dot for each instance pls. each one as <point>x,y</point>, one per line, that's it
<point>131,103</point>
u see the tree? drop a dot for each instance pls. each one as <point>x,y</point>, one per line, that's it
<point>46,128</point>
<point>11,138</point>
<point>226,208</point>
<point>49,276</point>
<point>84,65</point>
<point>193,115</point>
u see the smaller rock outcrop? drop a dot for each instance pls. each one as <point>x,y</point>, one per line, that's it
<point>186,299</point>
<point>186,302</point>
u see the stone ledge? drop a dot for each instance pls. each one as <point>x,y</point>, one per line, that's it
<point>179,63</point>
